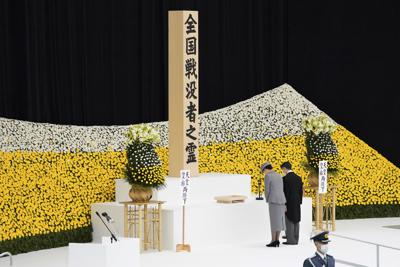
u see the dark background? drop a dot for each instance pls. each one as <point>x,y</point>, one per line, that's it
<point>104,62</point>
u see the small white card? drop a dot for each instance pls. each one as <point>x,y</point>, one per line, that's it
<point>323,177</point>
<point>185,177</point>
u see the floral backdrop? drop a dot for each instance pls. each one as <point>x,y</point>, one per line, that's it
<point>50,174</point>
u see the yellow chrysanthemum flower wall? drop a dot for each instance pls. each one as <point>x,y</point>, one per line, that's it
<point>48,192</point>
<point>47,195</point>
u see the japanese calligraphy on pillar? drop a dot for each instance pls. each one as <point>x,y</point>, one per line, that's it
<point>183,92</point>
<point>191,85</point>
<point>323,177</point>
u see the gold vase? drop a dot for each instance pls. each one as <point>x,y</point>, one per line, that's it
<point>140,193</point>
<point>313,179</point>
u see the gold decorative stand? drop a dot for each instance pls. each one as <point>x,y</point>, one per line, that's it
<point>324,209</point>
<point>183,247</point>
<point>143,221</point>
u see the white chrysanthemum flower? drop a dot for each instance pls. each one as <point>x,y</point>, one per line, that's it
<point>273,114</point>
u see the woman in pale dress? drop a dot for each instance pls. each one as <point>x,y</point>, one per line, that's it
<point>275,197</point>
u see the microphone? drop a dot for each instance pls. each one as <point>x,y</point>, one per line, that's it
<point>109,219</point>
<point>111,233</point>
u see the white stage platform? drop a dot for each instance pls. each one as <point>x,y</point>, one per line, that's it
<point>125,252</point>
<point>255,253</point>
<point>207,222</point>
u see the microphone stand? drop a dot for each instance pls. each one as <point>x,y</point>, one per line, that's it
<point>259,191</point>
<point>111,233</point>
<point>111,224</point>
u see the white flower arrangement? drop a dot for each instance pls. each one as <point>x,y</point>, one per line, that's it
<point>319,124</point>
<point>143,133</point>
<point>273,114</point>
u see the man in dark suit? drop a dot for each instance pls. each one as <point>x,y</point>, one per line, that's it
<point>321,257</point>
<point>293,189</point>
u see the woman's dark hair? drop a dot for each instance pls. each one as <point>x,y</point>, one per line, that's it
<point>268,167</point>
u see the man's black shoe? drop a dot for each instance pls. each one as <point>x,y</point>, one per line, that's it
<point>287,243</point>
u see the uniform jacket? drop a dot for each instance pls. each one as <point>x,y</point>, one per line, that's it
<point>317,261</point>
<point>293,188</point>
<point>274,188</point>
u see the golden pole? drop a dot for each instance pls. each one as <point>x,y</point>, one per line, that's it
<point>327,209</point>
<point>125,220</point>
<point>317,211</point>
<point>321,212</point>
<point>140,227</point>
<point>183,246</point>
<point>159,227</point>
<point>333,209</point>
<point>183,224</point>
<point>145,228</point>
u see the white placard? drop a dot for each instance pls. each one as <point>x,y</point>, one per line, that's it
<point>323,177</point>
<point>185,177</point>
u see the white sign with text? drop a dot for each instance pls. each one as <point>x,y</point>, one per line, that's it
<point>185,177</point>
<point>323,177</point>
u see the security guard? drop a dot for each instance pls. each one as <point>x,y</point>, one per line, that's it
<point>321,258</point>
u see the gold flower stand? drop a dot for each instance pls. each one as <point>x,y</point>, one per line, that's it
<point>324,208</point>
<point>143,221</point>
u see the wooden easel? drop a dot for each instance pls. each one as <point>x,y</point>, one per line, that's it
<point>324,209</point>
<point>183,247</point>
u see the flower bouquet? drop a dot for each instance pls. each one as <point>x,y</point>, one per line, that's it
<point>143,169</point>
<point>320,146</point>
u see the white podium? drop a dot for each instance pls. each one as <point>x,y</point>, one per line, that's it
<point>125,252</point>
<point>215,224</point>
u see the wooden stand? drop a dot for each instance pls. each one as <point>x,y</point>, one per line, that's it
<point>324,209</point>
<point>143,221</point>
<point>183,247</point>
<point>230,199</point>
